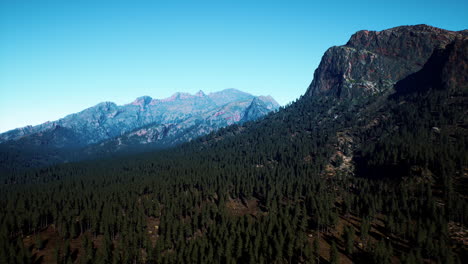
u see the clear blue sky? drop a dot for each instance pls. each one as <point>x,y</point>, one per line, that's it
<point>59,57</point>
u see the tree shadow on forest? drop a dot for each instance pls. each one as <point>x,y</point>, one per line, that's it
<point>329,238</point>
<point>429,77</point>
<point>38,260</point>
<point>397,243</point>
<point>74,255</point>
<point>383,171</point>
<point>35,258</point>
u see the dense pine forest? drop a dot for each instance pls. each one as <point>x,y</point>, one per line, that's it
<point>377,179</point>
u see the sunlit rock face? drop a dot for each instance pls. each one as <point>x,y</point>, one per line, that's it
<point>374,61</point>
<point>172,120</point>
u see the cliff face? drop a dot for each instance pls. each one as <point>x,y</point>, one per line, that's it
<point>374,61</point>
<point>400,89</point>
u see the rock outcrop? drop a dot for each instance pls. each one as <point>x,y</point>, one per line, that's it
<point>374,61</point>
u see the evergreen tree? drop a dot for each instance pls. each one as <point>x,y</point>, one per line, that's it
<point>334,255</point>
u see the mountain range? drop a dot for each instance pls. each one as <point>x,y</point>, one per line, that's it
<point>143,124</point>
<point>368,166</point>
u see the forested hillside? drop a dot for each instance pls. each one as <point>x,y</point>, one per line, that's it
<point>374,177</point>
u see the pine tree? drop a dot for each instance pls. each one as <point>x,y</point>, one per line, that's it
<point>316,248</point>
<point>348,237</point>
<point>39,242</point>
<point>57,254</point>
<point>334,255</point>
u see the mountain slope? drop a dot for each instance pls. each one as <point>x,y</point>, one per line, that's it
<point>280,190</point>
<point>144,124</point>
<point>167,135</point>
<point>401,129</point>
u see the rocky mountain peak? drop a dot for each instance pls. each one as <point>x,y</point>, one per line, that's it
<point>270,102</point>
<point>200,94</point>
<point>142,101</point>
<point>379,40</point>
<point>177,96</point>
<point>257,101</point>
<point>373,61</point>
<point>229,95</point>
<point>256,109</point>
<point>159,122</point>
<point>105,106</point>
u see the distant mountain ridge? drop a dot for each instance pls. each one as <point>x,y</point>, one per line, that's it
<point>145,121</point>
<point>397,98</point>
<point>371,162</point>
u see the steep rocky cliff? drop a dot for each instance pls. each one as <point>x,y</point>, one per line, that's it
<point>373,62</point>
<point>400,97</point>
